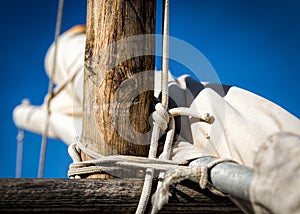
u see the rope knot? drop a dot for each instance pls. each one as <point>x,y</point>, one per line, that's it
<point>197,170</point>
<point>161,116</point>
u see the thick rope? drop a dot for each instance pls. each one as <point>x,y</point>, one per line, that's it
<point>120,163</point>
<point>77,147</point>
<point>50,91</point>
<point>173,173</point>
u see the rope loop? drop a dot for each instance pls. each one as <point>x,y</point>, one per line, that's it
<point>161,116</point>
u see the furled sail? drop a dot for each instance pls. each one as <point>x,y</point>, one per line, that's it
<point>244,122</point>
<point>66,106</point>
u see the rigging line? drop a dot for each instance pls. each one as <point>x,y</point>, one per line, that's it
<point>165,58</point>
<point>69,79</point>
<point>146,191</point>
<point>50,91</point>
<point>20,140</point>
<point>165,92</point>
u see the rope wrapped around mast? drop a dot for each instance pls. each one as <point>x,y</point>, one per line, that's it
<point>163,122</point>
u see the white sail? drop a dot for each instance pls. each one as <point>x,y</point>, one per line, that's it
<point>244,122</point>
<point>66,106</point>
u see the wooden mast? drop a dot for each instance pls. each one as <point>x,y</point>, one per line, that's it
<point>107,127</point>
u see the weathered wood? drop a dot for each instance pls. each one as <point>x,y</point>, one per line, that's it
<point>104,195</point>
<point>113,115</point>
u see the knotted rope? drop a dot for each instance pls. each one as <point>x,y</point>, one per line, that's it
<point>116,164</point>
<point>164,123</point>
<point>181,173</point>
<point>173,172</point>
<point>161,117</point>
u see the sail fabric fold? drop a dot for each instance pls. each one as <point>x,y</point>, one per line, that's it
<point>243,122</point>
<point>275,187</point>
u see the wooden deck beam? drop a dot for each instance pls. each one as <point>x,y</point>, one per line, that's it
<point>101,195</point>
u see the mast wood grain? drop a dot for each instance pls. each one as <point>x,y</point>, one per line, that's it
<point>112,114</point>
<point>100,195</point>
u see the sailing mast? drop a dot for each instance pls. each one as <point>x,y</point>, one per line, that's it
<point>106,128</point>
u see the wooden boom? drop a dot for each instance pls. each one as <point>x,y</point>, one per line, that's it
<point>101,196</point>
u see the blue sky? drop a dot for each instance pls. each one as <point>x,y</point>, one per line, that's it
<point>254,45</point>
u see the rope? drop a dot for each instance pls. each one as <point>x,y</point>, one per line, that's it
<point>158,123</point>
<point>165,56</point>
<point>100,160</point>
<point>173,173</point>
<point>179,174</point>
<point>50,91</point>
<point>163,115</point>
<point>20,141</point>
<point>120,164</point>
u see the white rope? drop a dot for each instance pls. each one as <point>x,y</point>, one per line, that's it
<point>173,173</point>
<point>50,91</point>
<point>165,56</point>
<point>179,174</point>
<point>146,192</point>
<point>100,160</point>
<point>118,163</point>
<point>77,147</point>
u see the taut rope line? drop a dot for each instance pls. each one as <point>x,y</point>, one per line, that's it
<point>50,91</point>
<point>146,192</point>
<point>20,142</point>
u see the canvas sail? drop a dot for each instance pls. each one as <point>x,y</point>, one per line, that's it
<point>244,122</point>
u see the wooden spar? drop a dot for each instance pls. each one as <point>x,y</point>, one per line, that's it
<point>109,123</point>
<point>100,195</point>
<point>238,178</point>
